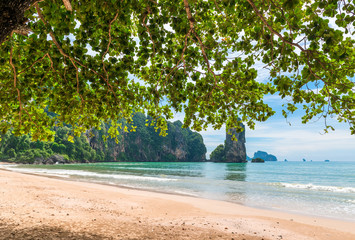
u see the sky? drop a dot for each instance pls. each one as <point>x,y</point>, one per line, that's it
<point>289,139</point>
<point>292,142</point>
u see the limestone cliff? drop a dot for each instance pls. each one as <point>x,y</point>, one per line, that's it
<point>147,146</point>
<point>235,150</point>
<point>231,151</point>
<point>181,144</point>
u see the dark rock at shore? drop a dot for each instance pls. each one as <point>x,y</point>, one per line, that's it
<point>257,160</point>
<point>54,159</point>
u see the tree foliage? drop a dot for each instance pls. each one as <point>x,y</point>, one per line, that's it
<point>104,60</point>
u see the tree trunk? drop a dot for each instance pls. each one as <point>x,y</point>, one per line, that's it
<point>12,16</point>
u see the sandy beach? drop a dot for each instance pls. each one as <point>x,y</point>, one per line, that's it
<point>38,207</point>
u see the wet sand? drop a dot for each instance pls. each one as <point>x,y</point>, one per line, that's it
<point>38,207</point>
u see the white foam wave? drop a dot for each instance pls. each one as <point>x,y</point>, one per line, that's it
<point>158,169</point>
<point>185,193</point>
<point>6,166</point>
<point>80,173</point>
<point>317,187</point>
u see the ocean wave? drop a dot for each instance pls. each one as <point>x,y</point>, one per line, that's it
<point>157,169</point>
<point>317,187</point>
<point>6,166</point>
<point>80,173</point>
<point>185,193</point>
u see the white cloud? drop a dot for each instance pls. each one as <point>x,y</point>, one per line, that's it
<point>294,142</point>
<point>302,141</point>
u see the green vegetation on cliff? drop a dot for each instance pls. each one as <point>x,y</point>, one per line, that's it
<point>218,155</point>
<point>143,144</point>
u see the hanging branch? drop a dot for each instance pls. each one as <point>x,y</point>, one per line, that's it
<point>202,46</point>
<point>73,61</point>
<point>107,49</point>
<point>147,28</point>
<point>15,83</point>
<point>67,5</point>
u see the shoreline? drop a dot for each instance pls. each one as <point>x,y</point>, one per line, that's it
<point>181,194</point>
<point>175,194</point>
<point>76,208</point>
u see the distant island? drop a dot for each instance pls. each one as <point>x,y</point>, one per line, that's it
<point>265,156</point>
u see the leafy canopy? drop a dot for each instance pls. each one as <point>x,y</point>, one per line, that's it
<point>106,59</point>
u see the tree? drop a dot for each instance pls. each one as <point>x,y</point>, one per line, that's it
<point>103,60</point>
<point>12,153</point>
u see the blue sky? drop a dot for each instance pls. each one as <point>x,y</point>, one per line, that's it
<point>297,141</point>
<point>292,142</point>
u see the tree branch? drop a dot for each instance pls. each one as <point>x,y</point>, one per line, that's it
<point>107,49</point>
<point>39,12</point>
<point>15,83</point>
<point>273,30</point>
<point>67,5</point>
<point>150,35</point>
<point>73,60</point>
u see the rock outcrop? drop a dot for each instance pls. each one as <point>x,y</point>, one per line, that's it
<point>232,151</point>
<point>235,150</point>
<point>54,159</point>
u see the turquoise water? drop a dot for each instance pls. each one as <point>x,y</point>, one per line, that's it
<point>311,188</point>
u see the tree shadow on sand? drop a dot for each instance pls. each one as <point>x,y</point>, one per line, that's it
<point>11,231</point>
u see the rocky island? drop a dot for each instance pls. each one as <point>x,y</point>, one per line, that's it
<point>265,156</point>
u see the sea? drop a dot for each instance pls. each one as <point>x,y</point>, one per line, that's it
<point>325,189</point>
